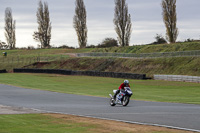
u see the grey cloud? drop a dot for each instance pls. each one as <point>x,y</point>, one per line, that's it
<point>146,17</point>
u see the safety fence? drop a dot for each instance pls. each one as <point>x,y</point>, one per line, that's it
<point>195,53</point>
<point>28,60</point>
<point>20,61</point>
<point>182,78</point>
<point>85,73</point>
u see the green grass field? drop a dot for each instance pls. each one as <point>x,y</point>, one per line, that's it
<point>148,90</point>
<point>58,123</point>
<point>37,123</point>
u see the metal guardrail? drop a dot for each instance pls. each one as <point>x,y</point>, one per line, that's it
<point>182,78</point>
<point>195,53</point>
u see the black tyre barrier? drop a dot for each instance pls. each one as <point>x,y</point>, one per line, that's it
<point>86,73</point>
<point>3,71</point>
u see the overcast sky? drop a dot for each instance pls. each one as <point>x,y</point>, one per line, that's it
<point>146,18</point>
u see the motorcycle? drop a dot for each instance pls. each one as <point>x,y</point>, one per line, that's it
<point>122,98</point>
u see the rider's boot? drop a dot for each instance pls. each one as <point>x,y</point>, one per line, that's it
<point>117,92</point>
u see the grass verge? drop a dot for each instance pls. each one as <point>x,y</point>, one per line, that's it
<point>148,90</point>
<point>58,123</point>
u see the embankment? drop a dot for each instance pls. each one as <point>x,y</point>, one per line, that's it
<point>174,66</point>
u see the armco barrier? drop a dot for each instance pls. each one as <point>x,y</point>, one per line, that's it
<point>194,53</point>
<point>3,71</point>
<point>86,73</point>
<point>182,78</point>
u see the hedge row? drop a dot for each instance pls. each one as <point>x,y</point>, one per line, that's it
<point>3,71</point>
<point>85,73</point>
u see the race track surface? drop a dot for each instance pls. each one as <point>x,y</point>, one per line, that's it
<point>186,116</point>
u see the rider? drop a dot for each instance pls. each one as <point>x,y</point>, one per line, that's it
<point>125,84</point>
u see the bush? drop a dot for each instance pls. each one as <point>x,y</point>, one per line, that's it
<point>91,46</point>
<point>189,40</point>
<point>3,45</point>
<point>108,42</point>
<point>66,47</point>
<point>159,39</point>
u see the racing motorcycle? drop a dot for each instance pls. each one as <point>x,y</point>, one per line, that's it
<point>122,98</point>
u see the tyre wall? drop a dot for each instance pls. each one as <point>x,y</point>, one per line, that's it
<point>85,73</point>
<point>3,71</point>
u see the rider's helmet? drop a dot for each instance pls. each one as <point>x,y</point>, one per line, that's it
<point>126,82</point>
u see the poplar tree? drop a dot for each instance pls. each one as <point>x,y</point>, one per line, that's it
<point>170,19</point>
<point>122,22</point>
<point>80,23</point>
<point>10,28</point>
<point>43,35</point>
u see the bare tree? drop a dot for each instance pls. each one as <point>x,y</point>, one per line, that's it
<point>10,28</point>
<point>170,19</point>
<point>122,21</point>
<point>80,23</point>
<point>43,35</point>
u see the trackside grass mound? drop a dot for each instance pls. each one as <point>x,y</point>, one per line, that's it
<point>174,66</point>
<point>183,46</point>
<point>148,90</point>
<point>57,123</point>
<point>62,57</point>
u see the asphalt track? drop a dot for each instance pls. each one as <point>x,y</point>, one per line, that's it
<point>172,115</point>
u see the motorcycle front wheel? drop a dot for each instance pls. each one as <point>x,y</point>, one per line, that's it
<point>112,102</point>
<point>126,100</point>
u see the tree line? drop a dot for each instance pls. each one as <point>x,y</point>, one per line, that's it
<point>122,23</point>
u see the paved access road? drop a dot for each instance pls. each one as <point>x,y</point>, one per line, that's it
<point>169,114</point>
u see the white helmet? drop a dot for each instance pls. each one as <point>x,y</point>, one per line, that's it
<point>126,82</point>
